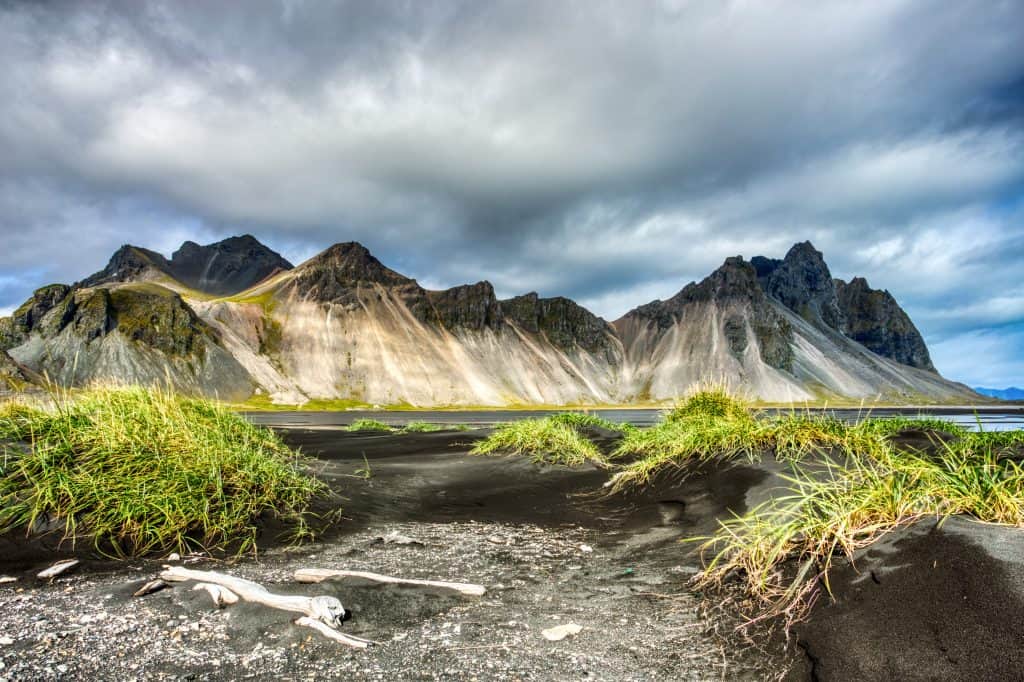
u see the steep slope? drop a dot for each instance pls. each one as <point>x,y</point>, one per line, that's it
<point>342,325</point>
<point>723,328</point>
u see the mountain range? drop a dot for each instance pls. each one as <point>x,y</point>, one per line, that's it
<point>234,319</point>
<point>1011,393</point>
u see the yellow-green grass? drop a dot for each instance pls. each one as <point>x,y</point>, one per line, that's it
<point>368,425</point>
<point>783,549</point>
<point>138,470</point>
<point>558,439</point>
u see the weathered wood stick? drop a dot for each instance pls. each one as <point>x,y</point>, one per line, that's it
<point>326,609</point>
<point>149,588</point>
<point>331,633</point>
<point>318,575</point>
<point>221,596</point>
<point>57,569</point>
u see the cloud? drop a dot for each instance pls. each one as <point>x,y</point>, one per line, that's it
<point>983,358</point>
<point>606,151</point>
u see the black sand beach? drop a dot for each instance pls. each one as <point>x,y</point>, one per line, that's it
<point>551,549</point>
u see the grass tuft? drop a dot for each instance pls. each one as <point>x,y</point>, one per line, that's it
<point>368,425</point>
<point>550,440</point>
<point>139,471</point>
<point>421,427</point>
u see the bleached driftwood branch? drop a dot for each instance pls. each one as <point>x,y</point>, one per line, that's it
<point>221,596</point>
<point>318,575</point>
<point>326,611</point>
<point>331,633</point>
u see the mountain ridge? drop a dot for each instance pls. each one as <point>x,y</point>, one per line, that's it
<point>344,325</point>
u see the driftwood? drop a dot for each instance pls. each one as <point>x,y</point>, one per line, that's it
<point>57,569</point>
<point>149,588</point>
<point>326,610</point>
<point>331,633</point>
<point>318,575</point>
<point>221,596</point>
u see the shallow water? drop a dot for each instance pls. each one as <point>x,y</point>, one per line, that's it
<point>987,417</point>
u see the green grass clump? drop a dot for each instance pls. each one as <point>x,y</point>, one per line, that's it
<point>367,425</point>
<point>139,471</point>
<point>421,427</point>
<point>709,425</point>
<point>548,440</point>
<point>581,420</point>
<point>712,402</point>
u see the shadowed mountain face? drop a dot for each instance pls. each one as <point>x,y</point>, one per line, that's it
<point>221,269</point>
<point>343,325</point>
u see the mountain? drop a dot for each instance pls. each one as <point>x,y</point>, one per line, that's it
<point>780,329</point>
<point>234,317</point>
<point>220,269</point>
<point>1012,393</point>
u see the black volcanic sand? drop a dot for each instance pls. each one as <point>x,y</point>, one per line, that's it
<point>549,550</point>
<point>928,602</point>
<point>430,477</point>
<point>923,603</point>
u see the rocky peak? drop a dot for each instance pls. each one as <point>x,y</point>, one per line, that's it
<point>802,282</point>
<point>335,275</point>
<point>564,322</point>
<point>225,267</point>
<point>353,262</point>
<point>129,264</point>
<point>874,319</point>
<point>734,279</point>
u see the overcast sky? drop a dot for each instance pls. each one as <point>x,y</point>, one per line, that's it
<point>610,152</point>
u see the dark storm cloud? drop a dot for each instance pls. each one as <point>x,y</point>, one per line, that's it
<point>607,151</point>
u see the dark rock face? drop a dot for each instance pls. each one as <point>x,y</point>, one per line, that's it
<point>15,329</point>
<point>146,313</point>
<point>803,283</point>
<point>226,267</point>
<point>735,281</point>
<point>764,268</point>
<point>154,317</point>
<point>874,319</point>
<point>565,323</point>
<point>335,275</point>
<point>471,306</point>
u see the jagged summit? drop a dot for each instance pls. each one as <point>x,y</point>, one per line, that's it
<point>353,262</point>
<point>803,283</point>
<point>874,319</point>
<point>226,267</point>
<point>344,325</point>
<point>221,269</point>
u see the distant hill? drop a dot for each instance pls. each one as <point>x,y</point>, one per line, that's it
<point>1012,393</point>
<point>235,318</point>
